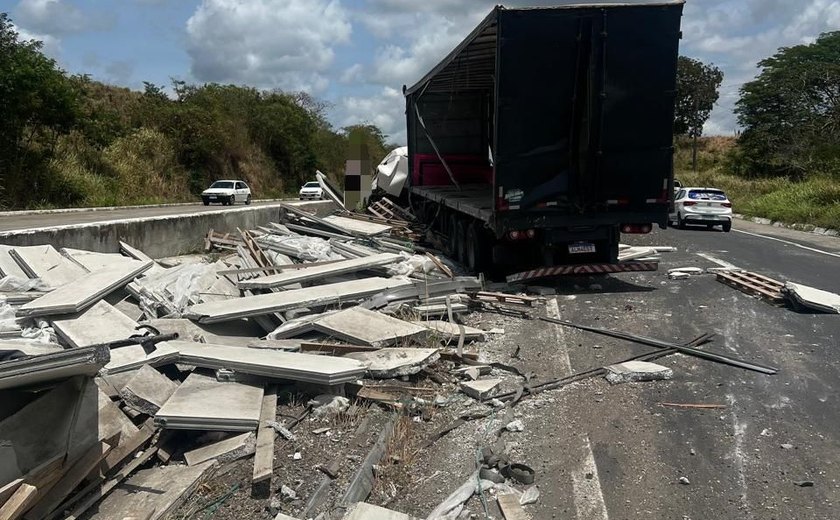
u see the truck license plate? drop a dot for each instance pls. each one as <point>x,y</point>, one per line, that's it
<point>581,247</point>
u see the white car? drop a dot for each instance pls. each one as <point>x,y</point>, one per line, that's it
<point>311,191</point>
<point>702,206</point>
<point>227,192</point>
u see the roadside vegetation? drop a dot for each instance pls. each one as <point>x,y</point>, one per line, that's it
<point>785,165</point>
<point>70,141</point>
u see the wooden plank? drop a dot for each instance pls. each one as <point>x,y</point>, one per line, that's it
<point>68,482</point>
<point>9,489</point>
<point>93,498</point>
<point>19,502</point>
<point>511,510</point>
<point>264,455</point>
<point>129,445</point>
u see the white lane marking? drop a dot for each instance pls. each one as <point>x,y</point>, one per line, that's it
<point>718,261</point>
<point>789,243</point>
<point>553,311</point>
<point>589,499</point>
<point>586,485</point>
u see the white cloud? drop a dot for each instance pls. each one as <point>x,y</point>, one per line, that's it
<point>352,74</point>
<point>51,44</point>
<point>386,110</point>
<point>57,17</point>
<point>286,44</point>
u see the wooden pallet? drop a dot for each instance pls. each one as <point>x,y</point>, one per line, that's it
<point>754,284</point>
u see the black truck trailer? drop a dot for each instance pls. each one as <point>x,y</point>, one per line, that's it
<point>546,134</point>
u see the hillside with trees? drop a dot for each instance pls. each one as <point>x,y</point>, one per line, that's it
<point>68,140</point>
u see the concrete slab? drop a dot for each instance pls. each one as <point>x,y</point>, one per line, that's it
<point>53,366</point>
<point>46,263</point>
<point>153,493</point>
<point>448,330</point>
<point>319,272</point>
<point>270,363</point>
<point>263,304</point>
<point>83,291</point>
<point>637,371</point>
<point>813,298</point>
<point>480,389</point>
<point>365,511</point>
<point>124,359</point>
<point>100,323</point>
<point>93,261</point>
<point>148,390</point>
<point>8,265</point>
<point>357,227</point>
<point>364,327</point>
<point>203,403</point>
<point>633,253</point>
<point>224,451</point>
<point>392,362</point>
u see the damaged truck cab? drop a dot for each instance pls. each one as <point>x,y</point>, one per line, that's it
<point>547,133</point>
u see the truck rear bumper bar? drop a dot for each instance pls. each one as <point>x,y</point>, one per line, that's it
<point>561,270</point>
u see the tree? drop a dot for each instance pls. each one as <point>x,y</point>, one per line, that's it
<point>37,102</point>
<point>791,111</point>
<point>697,93</point>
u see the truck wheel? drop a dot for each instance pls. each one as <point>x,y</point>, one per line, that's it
<point>461,233</point>
<point>476,250</point>
<point>452,234</point>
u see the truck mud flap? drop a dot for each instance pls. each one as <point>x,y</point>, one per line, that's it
<point>562,270</point>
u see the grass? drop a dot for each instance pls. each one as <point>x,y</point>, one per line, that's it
<point>815,200</point>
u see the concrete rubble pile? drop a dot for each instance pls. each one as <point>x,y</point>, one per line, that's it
<point>127,382</point>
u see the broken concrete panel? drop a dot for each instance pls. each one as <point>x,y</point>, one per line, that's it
<point>319,272</point>
<point>448,330</point>
<point>357,227</point>
<point>271,363</point>
<point>92,260</point>
<point>678,275</point>
<point>263,304</point>
<point>387,363</point>
<point>148,390</point>
<point>153,493</point>
<point>20,373</point>
<point>634,253</point>
<point>297,326</point>
<point>480,389</point>
<point>365,511</point>
<point>101,323</point>
<point>203,403</point>
<point>83,291</point>
<point>364,327</point>
<point>637,371</point>
<point>813,298</point>
<point>8,265</point>
<point>224,451</point>
<point>687,270</point>
<point>132,357</point>
<point>39,431</point>
<point>46,263</point>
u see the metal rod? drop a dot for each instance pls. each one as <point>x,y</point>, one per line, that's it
<point>712,356</point>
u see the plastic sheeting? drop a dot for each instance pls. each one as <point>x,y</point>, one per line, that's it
<point>18,284</point>
<point>308,249</point>
<point>412,264</point>
<point>392,172</point>
<point>7,318</point>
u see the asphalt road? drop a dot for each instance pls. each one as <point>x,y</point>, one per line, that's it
<point>604,451</point>
<point>27,220</point>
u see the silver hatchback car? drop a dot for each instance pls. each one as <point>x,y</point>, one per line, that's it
<point>703,206</point>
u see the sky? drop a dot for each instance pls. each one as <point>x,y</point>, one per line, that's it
<point>357,54</point>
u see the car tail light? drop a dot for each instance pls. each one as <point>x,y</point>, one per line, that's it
<point>689,203</point>
<point>726,204</point>
<point>635,228</point>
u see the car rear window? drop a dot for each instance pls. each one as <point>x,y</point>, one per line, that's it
<point>311,185</point>
<point>222,185</point>
<point>706,194</point>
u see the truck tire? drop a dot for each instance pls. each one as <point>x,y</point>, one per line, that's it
<point>461,227</point>
<point>452,235</point>
<point>475,249</point>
